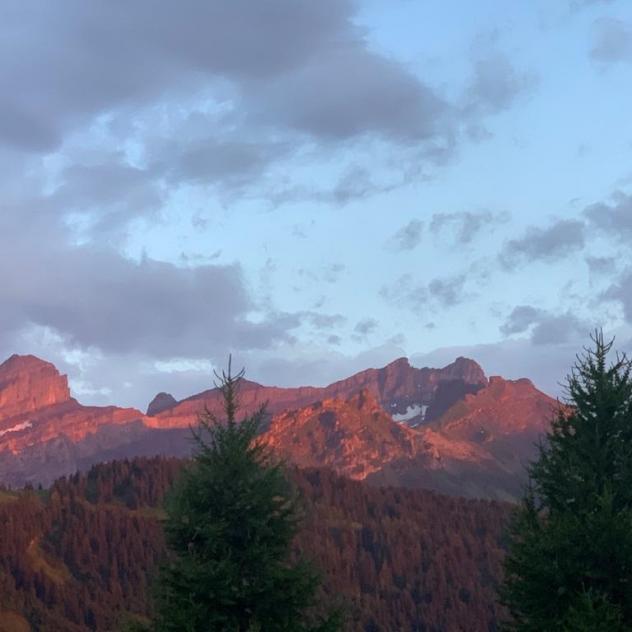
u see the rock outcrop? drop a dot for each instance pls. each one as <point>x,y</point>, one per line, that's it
<point>28,384</point>
<point>401,390</point>
<point>161,402</point>
<point>446,429</point>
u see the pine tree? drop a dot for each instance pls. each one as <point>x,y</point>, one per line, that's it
<point>231,521</point>
<point>569,565</point>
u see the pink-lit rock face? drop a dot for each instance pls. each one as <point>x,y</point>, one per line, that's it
<point>479,447</point>
<point>36,406</point>
<point>397,387</point>
<point>354,436</point>
<point>473,438</point>
<point>503,408</point>
<point>28,383</point>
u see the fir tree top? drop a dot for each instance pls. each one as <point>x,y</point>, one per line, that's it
<point>570,557</point>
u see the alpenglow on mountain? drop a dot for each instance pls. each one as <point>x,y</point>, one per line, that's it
<point>450,429</point>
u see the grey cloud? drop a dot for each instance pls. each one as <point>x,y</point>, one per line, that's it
<point>557,241</point>
<point>284,75</point>
<point>621,292</point>
<point>26,130</point>
<point>127,58</point>
<point>601,265</point>
<point>466,225</point>
<point>295,65</point>
<point>366,326</point>
<point>325,321</point>
<point>347,91</point>
<point>329,274</point>
<point>615,218</point>
<point>95,298</point>
<point>555,329</point>
<point>443,292</point>
<point>110,189</point>
<point>232,164</point>
<point>355,183</point>
<point>546,327</point>
<point>495,85</point>
<point>404,292</point>
<point>612,41</point>
<point>408,237</point>
<point>448,291</point>
<point>520,319</point>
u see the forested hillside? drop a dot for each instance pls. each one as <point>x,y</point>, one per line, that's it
<point>81,555</point>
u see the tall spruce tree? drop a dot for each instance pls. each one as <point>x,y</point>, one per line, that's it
<point>569,565</point>
<point>230,523</point>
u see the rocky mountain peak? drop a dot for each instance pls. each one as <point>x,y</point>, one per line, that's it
<point>467,370</point>
<point>162,401</point>
<point>28,383</point>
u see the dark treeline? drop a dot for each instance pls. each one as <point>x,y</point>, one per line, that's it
<point>82,555</point>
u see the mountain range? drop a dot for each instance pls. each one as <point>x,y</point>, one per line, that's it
<point>453,429</point>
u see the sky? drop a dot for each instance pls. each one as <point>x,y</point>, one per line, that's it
<point>313,187</point>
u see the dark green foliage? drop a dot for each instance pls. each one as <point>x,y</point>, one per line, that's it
<point>231,521</point>
<point>570,560</point>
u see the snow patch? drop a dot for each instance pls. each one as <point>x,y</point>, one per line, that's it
<point>23,426</point>
<point>411,411</point>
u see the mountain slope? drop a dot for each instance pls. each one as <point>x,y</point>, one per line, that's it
<point>398,387</point>
<point>82,556</point>
<point>457,432</point>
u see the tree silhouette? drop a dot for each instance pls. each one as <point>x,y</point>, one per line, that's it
<point>570,561</point>
<point>230,523</point>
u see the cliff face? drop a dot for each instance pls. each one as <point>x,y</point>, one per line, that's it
<point>479,447</point>
<point>353,436</point>
<point>28,384</point>
<point>399,388</point>
<point>40,423</point>
<point>446,429</point>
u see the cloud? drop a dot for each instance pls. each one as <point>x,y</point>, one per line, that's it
<point>94,297</point>
<point>612,41</point>
<point>325,321</point>
<point>615,219</point>
<point>495,85</point>
<point>294,65</point>
<point>557,241</point>
<point>129,59</point>
<point>621,292</point>
<point>465,225</point>
<point>601,265</point>
<point>218,94</point>
<point>520,319</point>
<point>347,91</point>
<point>443,292</point>
<point>546,328</point>
<point>408,237</point>
<point>448,291</point>
<point>108,190</point>
<point>230,164</point>
<point>366,326</point>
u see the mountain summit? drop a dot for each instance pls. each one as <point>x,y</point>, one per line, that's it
<point>449,429</point>
<point>28,384</point>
